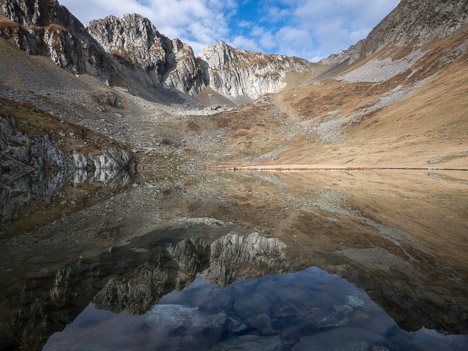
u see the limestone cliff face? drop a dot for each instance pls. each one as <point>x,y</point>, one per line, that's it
<point>131,51</point>
<point>133,40</point>
<point>36,168</point>
<point>412,22</point>
<point>238,73</point>
<point>43,27</point>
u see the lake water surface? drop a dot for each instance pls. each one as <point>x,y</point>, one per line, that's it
<point>238,261</point>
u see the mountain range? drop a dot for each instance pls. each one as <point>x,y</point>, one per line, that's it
<point>81,103</point>
<point>395,98</point>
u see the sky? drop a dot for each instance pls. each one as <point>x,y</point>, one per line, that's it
<point>310,29</point>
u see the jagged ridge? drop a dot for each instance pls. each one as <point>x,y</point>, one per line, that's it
<point>135,41</point>
<point>240,73</point>
<point>130,51</point>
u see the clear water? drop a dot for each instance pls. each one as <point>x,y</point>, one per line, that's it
<point>308,310</point>
<point>239,261</point>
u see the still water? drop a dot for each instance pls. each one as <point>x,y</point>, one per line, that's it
<point>239,261</point>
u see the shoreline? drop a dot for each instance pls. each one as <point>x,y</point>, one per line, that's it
<point>323,168</point>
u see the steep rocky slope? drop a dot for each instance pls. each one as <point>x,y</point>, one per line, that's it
<point>353,119</point>
<point>48,29</point>
<point>45,28</point>
<point>130,52</point>
<point>413,23</point>
<point>242,74</point>
<point>135,41</point>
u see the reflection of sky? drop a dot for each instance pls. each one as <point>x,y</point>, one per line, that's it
<point>307,308</point>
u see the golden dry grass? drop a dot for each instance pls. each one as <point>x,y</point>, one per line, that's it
<point>427,129</point>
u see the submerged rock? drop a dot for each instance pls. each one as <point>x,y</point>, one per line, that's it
<point>350,339</point>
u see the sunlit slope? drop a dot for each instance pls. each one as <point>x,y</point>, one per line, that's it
<point>397,108</point>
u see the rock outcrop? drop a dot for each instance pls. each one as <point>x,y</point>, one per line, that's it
<point>412,23</point>
<point>129,50</point>
<point>36,168</point>
<point>133,40</point>
<point>44,27</point>
<point>241,74</point>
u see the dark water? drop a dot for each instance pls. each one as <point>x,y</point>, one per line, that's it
<point>308,310</point>
<point>240,261</point>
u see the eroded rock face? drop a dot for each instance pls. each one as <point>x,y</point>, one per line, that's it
<point>135,41</point>
<point>244,74</point>
<point>138,292</point>
<point>131,49</point>
<point>36,168</point>
<point>44,27</point>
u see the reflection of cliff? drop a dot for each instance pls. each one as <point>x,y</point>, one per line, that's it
<point>413,303</point>
<point>134,277</point>
<point>163,270</point>
<point>128,278</point>
<point>36,168</point>
<point>398,235</point>
<point>235,257</point>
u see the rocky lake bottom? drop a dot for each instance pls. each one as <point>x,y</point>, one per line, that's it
<point>237,261</point>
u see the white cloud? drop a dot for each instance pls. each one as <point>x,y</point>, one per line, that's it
<point>257,31</point>
<point>267,40</point>
<point>244,24</point>
<point>244,43</point>
<point>318,28</point>
<point>197,22</point>
<point>337,24</point>
<point>275,14</point>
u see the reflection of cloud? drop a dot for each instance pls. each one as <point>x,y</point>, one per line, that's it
<point>311,29</point>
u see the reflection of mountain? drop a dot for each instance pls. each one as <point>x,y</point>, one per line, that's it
<point>36,166</point>
<point>308,310</point>
<point>45,187</point>
<point>135,276</point>
<point>130,278</point>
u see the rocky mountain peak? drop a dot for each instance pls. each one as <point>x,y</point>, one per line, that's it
<point>43,27</point>
<point>41,13</point>
<point>131,37</point>
<point>129,49</point>
<point>135,41</point>
<point>242,74</point>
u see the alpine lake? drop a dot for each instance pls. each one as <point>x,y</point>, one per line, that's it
<point>217,260</point>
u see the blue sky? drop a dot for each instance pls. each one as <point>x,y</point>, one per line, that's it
<point>311,29</point>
